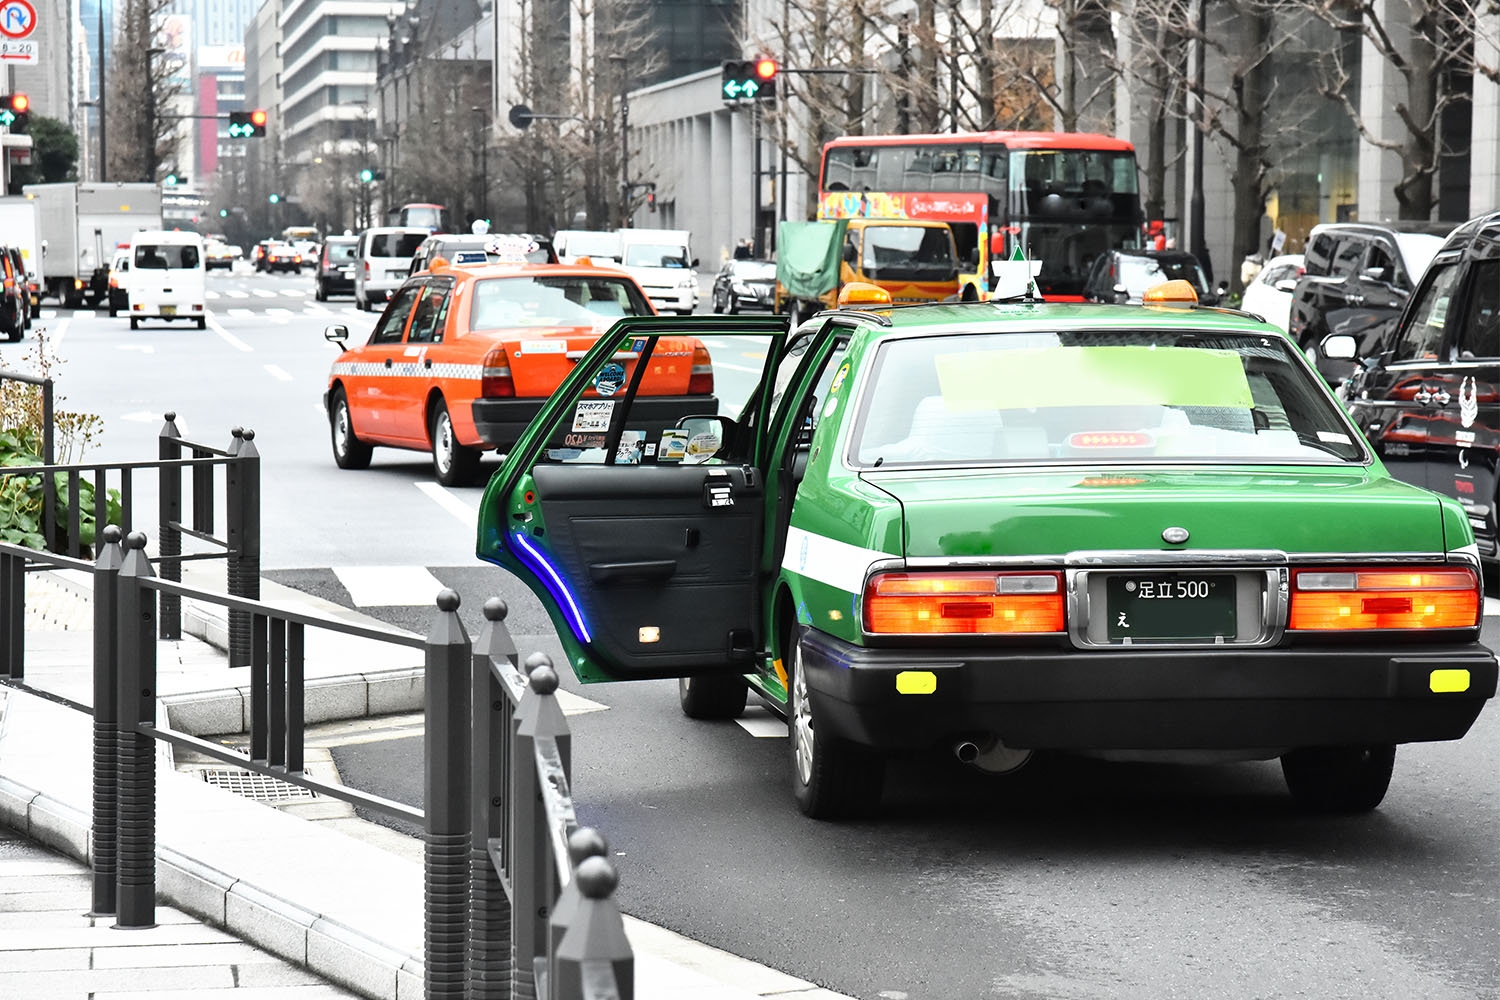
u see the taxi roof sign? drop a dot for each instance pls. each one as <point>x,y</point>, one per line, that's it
<point>1174,292</point>
<point>511,249</point>
<point>862,293</point>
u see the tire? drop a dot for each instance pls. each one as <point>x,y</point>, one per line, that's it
<point>114,311</point>
<point>733,307</point>
<point>718,303</point>
<point>135,324</point>
<point>349,452</point>
<point>453,464</point>
<point>203,322</point>
<point>1339,779</point>
<point>713,696</point>
<point>831,777</point>
<point>322,292</point>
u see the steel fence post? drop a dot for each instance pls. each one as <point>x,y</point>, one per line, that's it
<point>583,843</point>
<point>595,953</point>
<point>489,907</point>
<point>242,479</point>
<point>446,844</point>
<point>49,457</point>
<point>13,616</point>
<point>169,537</point>
<point>106,678</point>
<point>135,902</point>
<point>533,881</point>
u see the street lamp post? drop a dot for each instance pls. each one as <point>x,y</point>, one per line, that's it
<point>148,141</point>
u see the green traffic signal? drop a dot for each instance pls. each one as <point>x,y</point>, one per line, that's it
<point>223,213</point>
<point>367,175</point>
<point>274,198</point>
<point>170,180</point>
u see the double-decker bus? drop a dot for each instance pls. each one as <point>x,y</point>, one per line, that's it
<point>1061,197</point>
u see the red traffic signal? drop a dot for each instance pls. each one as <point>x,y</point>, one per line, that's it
<point>765,69</point>
<point>258,118</point>
<point>20,103</point>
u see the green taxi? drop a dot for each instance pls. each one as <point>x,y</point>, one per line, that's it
<point>1142,532</point>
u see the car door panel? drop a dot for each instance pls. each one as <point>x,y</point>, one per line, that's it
<point>373,405</point>
<point>663,570</point>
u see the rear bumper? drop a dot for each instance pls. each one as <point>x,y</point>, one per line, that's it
<point>499,422</point>
<point>335,282</point>
<point>1048,698</point>
<point>681,299</point>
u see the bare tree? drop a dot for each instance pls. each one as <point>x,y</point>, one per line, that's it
<point>1428,48</point>
<point>144,86</point>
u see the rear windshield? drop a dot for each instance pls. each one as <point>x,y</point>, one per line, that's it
<point>593,245</point>
<point>754,270</point>
<point>652,255</point>
<point>554,300</point>
<point>908,253</point>
<point>395,244</point>
<point>1139,273</point>
<point>162,256</point>
<point>1089,397</point>
<point>340,253</point>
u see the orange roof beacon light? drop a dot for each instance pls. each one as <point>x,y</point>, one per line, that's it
<point>862,293</point>
<point>1171,293</point>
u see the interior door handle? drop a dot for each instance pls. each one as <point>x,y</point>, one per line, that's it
<point>641,571</point>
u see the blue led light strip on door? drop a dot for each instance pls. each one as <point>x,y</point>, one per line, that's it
<point>558,587</point>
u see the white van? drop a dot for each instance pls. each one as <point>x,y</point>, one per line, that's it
<point>382,261</point>
<point>661,263</point>
<point>599,247</point>
<point>167,277</point>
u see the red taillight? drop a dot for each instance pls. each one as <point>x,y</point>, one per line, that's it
<point>701,381</point>
<point>1381,598</point>
<point>495,380</point>
<point>977,603</point>
<point>367,269</point>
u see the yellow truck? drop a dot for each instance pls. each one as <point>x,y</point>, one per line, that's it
<point>914,261</point>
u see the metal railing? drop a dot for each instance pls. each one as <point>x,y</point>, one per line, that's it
<point>518,898</point>
<point>49,445</point>
<point>239,547</point>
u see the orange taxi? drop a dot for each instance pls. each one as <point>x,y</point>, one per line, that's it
<point>464,356</point>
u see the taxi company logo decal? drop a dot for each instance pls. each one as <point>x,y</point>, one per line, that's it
<point>1468,401</point>
<point>610,379</point>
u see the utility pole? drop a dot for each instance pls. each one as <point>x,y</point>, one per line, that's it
<point>103,149</point>
<point>625,185</point>
<point>1196,239</point>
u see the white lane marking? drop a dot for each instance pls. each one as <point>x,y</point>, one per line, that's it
<point>388,586</point>
<point>228,338</point>
<point>278,372</point>
<point>717,345</point>
<point>240,313</point>
<point>467,516</point>
<point>1492,606</point>
<point>295,293</point>
<point>736,368</point>
<point>312,309</point>
<point>264,293</point>
<point>57,332</point>
<point>281,316</point>
<point>758,721</point>
<point>211,294</point>
<point>353,311</point>
<point>237,293</point>
<point>143,348</point>
<point>828,560</point>
<point>577,704</point>
<point>48,314</point>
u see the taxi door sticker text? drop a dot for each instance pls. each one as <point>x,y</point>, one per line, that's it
<point>592,415</point>
<point>544,346</point>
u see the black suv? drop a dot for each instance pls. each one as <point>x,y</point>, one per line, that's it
<point>1428,395</point>
<point>336,262</point>
<point>1124,275</point>
<point>1357,278</point>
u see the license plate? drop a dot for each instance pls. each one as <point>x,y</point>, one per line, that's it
<point>1154,606</point>
<point>169,310</point>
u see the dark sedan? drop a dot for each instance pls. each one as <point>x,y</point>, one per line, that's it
<point>744,284</point>
<point>336,264</point>
<point>1124,275</point>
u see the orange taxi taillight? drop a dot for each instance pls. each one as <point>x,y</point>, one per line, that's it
<point>1381,598</point>
<point>701,381</point>
<point>496,380</point>
<point>976,603</point>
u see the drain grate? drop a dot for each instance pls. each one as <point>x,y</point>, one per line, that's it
<point>257,787</point>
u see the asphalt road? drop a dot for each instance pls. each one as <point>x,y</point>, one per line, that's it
<point>1072,879</point>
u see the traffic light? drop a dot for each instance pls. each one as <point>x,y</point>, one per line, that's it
<point>273,199</point>
<point>748,79</point>
<point>169,181</point>
<point>16,112</point>
<point>247,124</point>
<point>370,174</point>
<point>223,213</point>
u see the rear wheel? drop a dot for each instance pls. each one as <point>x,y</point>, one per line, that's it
<point>135,324</point>
<point>453,464</point>
<point>322,293</point>
<point>831,777</point>
<point>713,696</point>
<point>203,322</point>
<point>349,452</point>
<point>1339,779</point>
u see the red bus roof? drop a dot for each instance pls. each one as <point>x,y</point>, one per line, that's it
<point>1014,140</point>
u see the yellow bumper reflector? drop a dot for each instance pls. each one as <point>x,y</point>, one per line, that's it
<point>916,682</point>
<point>1448,681</point>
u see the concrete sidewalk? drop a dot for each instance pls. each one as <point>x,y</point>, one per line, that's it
<point>236,872</point>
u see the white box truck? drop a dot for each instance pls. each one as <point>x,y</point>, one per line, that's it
<point>20,226</point>
<point>81,225</point>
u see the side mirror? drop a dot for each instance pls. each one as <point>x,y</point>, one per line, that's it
<point>1377,274</point>
<point>1221,289</point>
<point>337,333</point>
<point>695,261</point>
<point>1339,347</point>
<point>1121,293</point>
<point>1286,285</point>
<point>700,438</point>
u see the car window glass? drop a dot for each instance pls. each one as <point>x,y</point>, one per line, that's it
<point>1380,259</point>
<point>393,320</point>
<point>1135,396</point>
<point>554,300</point>
<point>161,257</point>
<point>340,253</point>
<point>1319,254</point>
<point>1420,339</point>
<point>395,244</point>
<point>1346,261</point>
<point>1479,334</point>
<point>432,310</point>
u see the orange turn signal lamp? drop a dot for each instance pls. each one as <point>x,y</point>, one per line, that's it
<point>1171,293</point>
<point>1347,599</point>
<point>862,293</point>
<point>970,603</point>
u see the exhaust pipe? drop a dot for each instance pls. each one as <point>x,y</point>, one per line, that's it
<point>991,755</point>
<point>966,751</point>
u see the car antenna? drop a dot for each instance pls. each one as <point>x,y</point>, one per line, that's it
<point>1015,278</point>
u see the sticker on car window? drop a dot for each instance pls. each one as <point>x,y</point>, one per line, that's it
<point>610,380</point>
<point>629,451</point>
<point>673,446</point>
<point>838,379</point>
<point>592,415</point>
